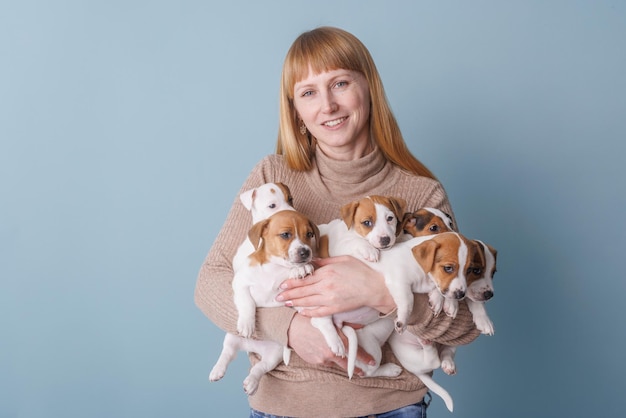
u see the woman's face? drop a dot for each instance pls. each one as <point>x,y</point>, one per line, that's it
<point>335,107</point>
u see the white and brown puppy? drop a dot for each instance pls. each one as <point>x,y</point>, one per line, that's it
<point>425,221</point>
<point>426,264</point>
<point>480,287</point>
<point>285,244</point>
<point>366,226</point>
<point>266,200</point>
<point>262,202</point>
<point>479,278</point>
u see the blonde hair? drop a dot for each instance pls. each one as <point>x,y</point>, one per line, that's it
<point>324,49</point>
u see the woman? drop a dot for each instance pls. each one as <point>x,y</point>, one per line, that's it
<point>338,141</point>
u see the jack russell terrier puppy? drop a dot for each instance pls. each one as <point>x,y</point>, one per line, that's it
<point>420,356</point>
<point>262,202</point>
<point>366,227</point>
<point>429,221</point>
<point>285,244</point>
<point>431,263</point>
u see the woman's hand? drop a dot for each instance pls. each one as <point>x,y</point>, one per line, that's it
<point>338,284</point>
<point>309,343</point>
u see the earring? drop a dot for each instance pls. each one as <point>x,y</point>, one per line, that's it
<point>303,129</point>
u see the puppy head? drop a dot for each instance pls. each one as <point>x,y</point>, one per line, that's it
<point>446,258</point>
<point>287,237</point>
<point>426,221</point>
<point>480,281</point>
<point>266,200</point>
<point>376,218</point>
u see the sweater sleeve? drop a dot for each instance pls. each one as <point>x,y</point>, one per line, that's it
<point>214,293</point>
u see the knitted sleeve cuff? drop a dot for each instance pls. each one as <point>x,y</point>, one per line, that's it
<point>442,328</point>
<point>273,323</point>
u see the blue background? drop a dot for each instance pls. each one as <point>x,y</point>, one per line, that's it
<point>127,128</point>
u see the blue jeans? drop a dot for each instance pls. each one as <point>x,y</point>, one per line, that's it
<point>417,410</point>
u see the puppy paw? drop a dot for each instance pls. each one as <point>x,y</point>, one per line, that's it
<point>448,366</point>
<point>399,326</point>
<point>337,347</point>
<point>245,327</point>
<point>367,252</point>
<point>484,325</point>
<point>250,385</point>
<point>451,307</point>
<point>435,301</point>
<point>301,272</point>
<point>217,373</point>
<point>388,370</point>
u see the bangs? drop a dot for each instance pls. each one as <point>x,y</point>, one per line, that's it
<point>322,50</point>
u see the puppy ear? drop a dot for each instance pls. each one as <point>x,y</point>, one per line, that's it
<point>286,192</point>
<point>398,206</point>
<point>323,247</point>
<point>476,256</point>
<point>255,234</point>
<point>408,221</point>
<point>493,251</point>
<point>316,232</point>
<point>424,253</point>
<point>347,213</point>
<point>247,198</point>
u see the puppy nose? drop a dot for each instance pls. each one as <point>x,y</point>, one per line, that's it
<point>488,294</point>
<point>304,252</point>
<point>385,241</point>
<point>459,294</point>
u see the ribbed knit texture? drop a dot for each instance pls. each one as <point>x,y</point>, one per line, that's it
<point>319,193</point>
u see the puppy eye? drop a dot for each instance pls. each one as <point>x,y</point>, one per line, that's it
<point>434,228</point>
<point>285,235</point>
<point>477,271</point>
<point>367,223</point>
<point>448,269</point>
<point>390,218</point>
<point>272,206</point>
<point>310,234</point>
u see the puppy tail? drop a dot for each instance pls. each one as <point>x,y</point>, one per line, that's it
<point>353,345</point>
<point>441,392</point>
<point>286,355</point>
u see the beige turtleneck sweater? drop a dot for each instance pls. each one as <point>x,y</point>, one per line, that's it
<point>301,389</point>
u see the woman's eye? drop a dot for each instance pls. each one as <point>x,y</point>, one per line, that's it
<point>341,84</point>
<point>307,93</point>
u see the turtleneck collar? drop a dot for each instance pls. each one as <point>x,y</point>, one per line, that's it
<point>351,179</point>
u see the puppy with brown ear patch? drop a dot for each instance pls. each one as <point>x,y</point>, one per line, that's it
<point>285,245</point>
<point>366,226</point>
<point>262,202</point>
<point>425,221</point>
<point>480,287</point>
<point>433,263</point>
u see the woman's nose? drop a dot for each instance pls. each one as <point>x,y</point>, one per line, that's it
<point>329,104</point>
